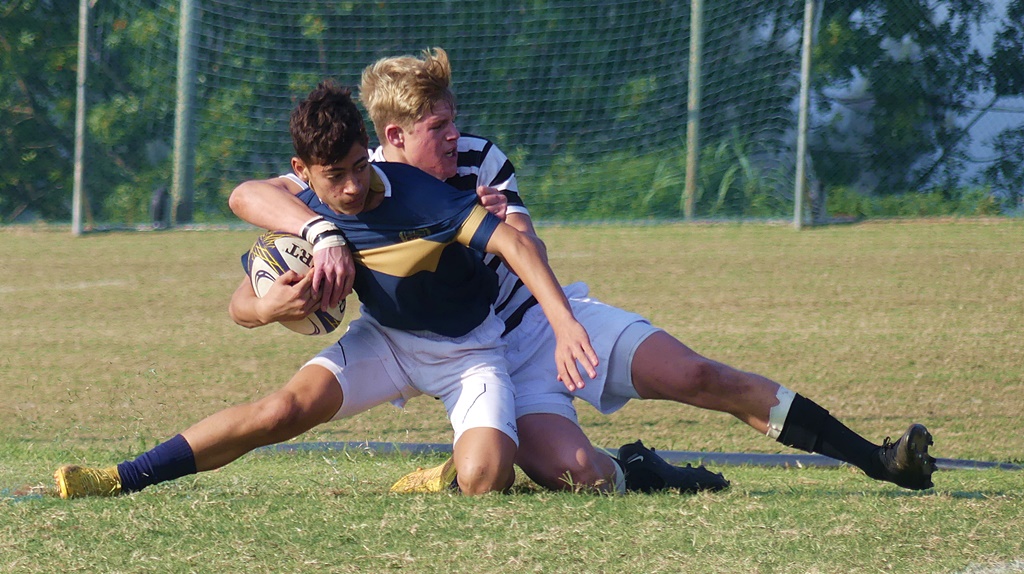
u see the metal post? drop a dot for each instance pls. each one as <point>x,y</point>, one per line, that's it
<point>801,131</point>
<point>693,107</point>
<point>183,175</point>
<point>77,193</point>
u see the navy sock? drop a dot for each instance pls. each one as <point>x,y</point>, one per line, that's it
<point>166,461</point>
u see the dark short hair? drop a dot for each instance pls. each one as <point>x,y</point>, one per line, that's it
<point>326,124</point>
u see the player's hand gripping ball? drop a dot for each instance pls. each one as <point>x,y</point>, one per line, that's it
<point>274,253</point>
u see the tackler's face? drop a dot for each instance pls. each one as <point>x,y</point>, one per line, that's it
<point>431,143</point>
<point>344,186</point>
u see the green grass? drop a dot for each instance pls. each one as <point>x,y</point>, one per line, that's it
<point>113,342</point>
<point>331,512</point>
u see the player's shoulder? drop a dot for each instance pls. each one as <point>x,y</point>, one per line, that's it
<point>416,188</point>
<point>290,183</point>
<point>474,144</point>
<point>396,175</point>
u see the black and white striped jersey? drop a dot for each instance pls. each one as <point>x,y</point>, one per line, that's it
<point>480,162</point>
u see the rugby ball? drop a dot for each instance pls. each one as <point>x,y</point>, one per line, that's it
<point>274,253</point>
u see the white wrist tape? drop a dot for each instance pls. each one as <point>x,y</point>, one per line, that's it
<point>322,234</point>
<point>330,241</point>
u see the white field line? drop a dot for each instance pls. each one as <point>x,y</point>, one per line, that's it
<point>80,285</point>
<point>68,286</point>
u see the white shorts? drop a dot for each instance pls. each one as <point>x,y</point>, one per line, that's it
<point>615,335</point>
<point>376,364</point>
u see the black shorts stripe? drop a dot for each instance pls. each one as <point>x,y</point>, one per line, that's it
<point>516,317</point>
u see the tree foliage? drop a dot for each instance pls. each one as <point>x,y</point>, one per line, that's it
<point>1006,174</point>
<point>910,70</point>
<point>37,107</point>
<point>562,104</point>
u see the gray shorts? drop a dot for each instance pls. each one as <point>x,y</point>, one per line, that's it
<point>615,335</point>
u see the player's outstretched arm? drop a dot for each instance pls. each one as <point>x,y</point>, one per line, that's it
<point>523,254</point>
<point>290,298</point>
<point>271,204</point>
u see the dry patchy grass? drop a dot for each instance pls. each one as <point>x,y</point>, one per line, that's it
<point>120,340</point>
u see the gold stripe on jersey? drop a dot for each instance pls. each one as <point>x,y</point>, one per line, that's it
<point>402,259</point>
<point>472,224</point>
<point>407,258</point>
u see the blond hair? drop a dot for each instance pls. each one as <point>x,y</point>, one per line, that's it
<point>401,90</point>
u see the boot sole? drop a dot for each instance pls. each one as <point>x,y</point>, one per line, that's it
<point>918,442</point>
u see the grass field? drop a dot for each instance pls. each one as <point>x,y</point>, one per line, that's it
<point>114,342</point>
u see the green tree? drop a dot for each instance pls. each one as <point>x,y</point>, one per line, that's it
<point>129,109</point>
<point>1006,175</point>
<point>37,108</point>
<point>920,70</point>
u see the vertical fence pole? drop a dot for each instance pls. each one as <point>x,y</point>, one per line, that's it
<point>78,193</point>
<point>183,175</point>
<point>693,107</point>
<point>800,189</point>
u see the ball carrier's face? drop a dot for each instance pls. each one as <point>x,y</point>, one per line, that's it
<point>344,186</point>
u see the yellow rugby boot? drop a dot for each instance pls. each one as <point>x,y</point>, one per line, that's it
<point>436,479</point>
<point>75,481</point>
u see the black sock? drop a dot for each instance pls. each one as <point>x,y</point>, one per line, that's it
<point>811,428</point>
<point>166,461</point>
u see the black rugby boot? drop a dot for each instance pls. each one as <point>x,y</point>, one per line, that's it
<point>647,472</point>
<point>906,462</point>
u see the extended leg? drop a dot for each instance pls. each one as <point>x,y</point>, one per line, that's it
<point>664,368</point>
<point>310,398</point>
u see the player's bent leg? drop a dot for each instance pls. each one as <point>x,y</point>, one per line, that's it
<point>484,460</point>
<point>556,454</point>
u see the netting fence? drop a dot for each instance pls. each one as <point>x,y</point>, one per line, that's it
<point>588,97</point>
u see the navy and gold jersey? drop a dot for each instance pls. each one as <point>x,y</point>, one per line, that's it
<point>481,162</point>
<point>418,253</point>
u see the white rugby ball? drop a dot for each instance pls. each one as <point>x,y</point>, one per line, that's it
<point>274,253</point>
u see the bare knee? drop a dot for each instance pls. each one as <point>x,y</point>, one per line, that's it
<point>721,387</point>
<point>556,454</point>
<point>480,477</point>
<point>281,417</point>
<point>687,379</point>
<point>665,368</point>
<point>483,461</point>
<point>310,398</point>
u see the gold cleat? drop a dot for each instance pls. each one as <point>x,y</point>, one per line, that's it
<point>75,481</point>
<point>436,479</point>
